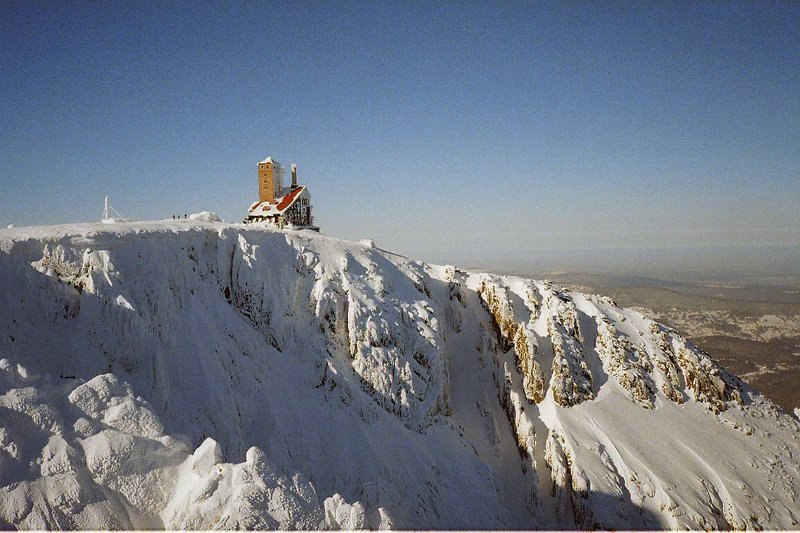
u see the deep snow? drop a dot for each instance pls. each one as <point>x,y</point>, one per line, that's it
<point>196,374</point>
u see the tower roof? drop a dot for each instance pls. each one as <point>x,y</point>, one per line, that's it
<point>269,160</point>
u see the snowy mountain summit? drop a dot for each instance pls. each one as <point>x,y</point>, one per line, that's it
<point>194,374</point>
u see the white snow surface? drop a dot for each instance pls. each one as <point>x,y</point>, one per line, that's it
<point>208,375</point>
<point>205,216</point>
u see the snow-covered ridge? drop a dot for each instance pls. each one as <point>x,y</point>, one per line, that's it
<point>192,374</point>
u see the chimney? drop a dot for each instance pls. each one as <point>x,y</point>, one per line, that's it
<point>294,175</point>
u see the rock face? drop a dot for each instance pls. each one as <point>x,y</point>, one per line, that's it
<point>200,375</point>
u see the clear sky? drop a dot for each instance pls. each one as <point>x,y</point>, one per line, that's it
<point>444,130</point>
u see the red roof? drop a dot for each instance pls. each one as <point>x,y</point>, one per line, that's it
<point>270,209</point>
<point>287,200</point>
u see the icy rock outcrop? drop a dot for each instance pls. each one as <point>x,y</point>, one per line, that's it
<point>105,400</point>
<point>627,366</point>
<point>662,355</point>
<point>394,347</point>
<point>124,444</point>
<point>211,494</point>
<point>118,469</point>
<point>517,335</point>
<point>705,380</point>
<point>570,484</point>
<point>62,493</point>
<point>341,515</point>
<point>571,383</point>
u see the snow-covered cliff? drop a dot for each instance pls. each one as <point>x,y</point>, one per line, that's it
<point>205,375</point>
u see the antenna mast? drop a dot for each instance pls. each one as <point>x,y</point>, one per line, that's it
<point>107,218</point>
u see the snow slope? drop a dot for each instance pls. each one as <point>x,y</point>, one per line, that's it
<point>192,374</point>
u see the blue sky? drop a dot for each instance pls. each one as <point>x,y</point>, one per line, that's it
<point>444,130</point>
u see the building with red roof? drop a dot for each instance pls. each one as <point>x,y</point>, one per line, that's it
<point>283,207</point>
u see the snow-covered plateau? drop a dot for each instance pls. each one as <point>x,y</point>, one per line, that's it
<point>196,374</point>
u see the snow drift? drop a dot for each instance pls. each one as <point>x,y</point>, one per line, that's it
<point>206,375</point>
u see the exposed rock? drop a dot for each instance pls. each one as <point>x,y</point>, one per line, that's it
<point>623,362</point>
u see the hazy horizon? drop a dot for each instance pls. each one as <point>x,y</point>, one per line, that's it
<point>741,264</point>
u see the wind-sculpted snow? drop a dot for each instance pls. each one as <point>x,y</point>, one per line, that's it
<point>199,375</point>
<point>115,468</point>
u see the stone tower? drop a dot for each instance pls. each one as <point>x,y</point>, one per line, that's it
<point>270,180</point>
